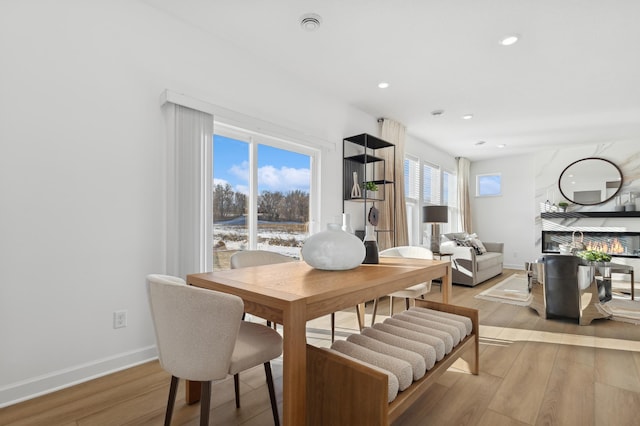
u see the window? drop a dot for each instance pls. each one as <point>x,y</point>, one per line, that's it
<point>488,185</point>
<point>262,193</point>
<point>426,183</point>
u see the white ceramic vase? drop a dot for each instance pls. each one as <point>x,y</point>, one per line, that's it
<point>333,249</point>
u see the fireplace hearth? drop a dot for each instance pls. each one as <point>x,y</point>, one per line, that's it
<point>617,244</point>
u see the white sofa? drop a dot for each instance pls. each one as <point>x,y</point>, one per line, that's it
<point>470,268</point>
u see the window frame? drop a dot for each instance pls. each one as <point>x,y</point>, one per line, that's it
<point>479,177</point>
<point>253,139</point>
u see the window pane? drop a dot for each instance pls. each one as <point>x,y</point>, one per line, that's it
<point>411,178</point>
<point>230,198</point>
<point>449,189</point>
<point>284,180</point>
<point>488,185</point>
<point>431,184</point>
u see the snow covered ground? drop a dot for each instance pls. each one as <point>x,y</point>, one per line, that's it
<point>283,238</point>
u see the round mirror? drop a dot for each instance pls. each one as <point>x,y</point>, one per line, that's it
<point>590,181</point>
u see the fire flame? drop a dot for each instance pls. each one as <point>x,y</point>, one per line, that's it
<point>612,247</point>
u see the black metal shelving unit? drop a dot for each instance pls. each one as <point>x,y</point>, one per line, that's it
<point>362,154</point>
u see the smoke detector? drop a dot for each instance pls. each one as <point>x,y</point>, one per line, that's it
<point>310,21</point>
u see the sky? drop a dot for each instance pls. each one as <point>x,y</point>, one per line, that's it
<point>278,170</point>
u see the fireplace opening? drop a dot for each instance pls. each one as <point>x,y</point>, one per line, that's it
<point>617,244</point>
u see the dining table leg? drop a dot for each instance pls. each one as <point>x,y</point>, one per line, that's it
<point>294,365</point>
<point>192,391</point>
<point>447,286</point>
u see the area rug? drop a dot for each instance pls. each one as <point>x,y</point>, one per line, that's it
<point>513,290</point>
<point>622,310</point>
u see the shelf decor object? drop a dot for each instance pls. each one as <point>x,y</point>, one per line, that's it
<point>370,246</point>
<point>355,189</point>
<point>333,249</point>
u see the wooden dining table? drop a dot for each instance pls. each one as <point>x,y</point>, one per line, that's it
<point>293,293</point>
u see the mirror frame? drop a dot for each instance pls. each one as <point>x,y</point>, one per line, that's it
<point>590,204</point>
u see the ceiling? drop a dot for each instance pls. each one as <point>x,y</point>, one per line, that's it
<point>573,78</point>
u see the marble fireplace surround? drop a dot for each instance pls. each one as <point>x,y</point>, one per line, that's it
<point>596,218</point>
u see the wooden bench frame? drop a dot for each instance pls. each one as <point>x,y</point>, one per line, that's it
<point>344,392</point>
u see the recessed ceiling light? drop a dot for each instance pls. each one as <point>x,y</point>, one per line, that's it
<point>310,21</point>
<point>467,116</point>
<point>502,145</point>
<point>480,143</point>
<point>509,40</point>
<point>383,85</point>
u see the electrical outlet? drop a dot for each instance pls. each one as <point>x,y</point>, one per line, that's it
<point>119,319</point>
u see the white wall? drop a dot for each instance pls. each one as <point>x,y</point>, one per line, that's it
<point>82,173</point>
<point>508,218</point>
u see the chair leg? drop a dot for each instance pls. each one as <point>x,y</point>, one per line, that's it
<point>236,386</point>
<point>407,303</point>
<point>375,310</point>
<point>333,326</point>
<point>173,389</point>
<point>360,314</point>
<point>272,393</point>
<point>205,403</point>
<point>390,306</point>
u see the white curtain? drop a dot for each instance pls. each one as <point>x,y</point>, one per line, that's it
<point>394,132</point>
<point>189,180</point>
<point>464,222</point>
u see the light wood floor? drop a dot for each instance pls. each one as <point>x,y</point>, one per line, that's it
<point>532,372</point>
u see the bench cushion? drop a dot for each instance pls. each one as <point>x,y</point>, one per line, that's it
<point>426,351</point>
<point>410,323</point>
<point>462,329</point>
<point>401,369</point>
<point>435,342</point>
<point>414,359</point>
<point>466,321</point>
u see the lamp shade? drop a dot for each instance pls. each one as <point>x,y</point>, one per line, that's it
<point>435,214</point>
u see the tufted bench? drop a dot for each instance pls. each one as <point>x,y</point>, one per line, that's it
<point>373,377</point>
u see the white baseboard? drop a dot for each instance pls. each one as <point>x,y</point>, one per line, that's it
<point>41,385</point>
<point>514,266</point>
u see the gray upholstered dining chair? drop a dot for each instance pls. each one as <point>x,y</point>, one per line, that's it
<point>413,292</point>
<point>201,337</point>
<point>247,258</point>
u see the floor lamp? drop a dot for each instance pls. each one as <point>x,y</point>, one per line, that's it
<point>435,215</point>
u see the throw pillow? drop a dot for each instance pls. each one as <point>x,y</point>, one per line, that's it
<point>477,243</point>
<point>476,248</point>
